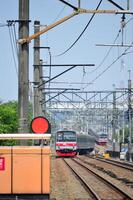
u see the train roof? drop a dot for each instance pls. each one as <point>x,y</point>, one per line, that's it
<point>64,130</point>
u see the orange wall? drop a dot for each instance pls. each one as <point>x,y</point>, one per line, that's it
<point>5,175</point>
<point>29,172</point>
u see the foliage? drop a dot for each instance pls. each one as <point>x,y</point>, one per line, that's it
<point>9,119</point>
<point>126,134</point>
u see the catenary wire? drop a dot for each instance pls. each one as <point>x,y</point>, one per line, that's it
<point>14,42</point>
<point>110,48</point>
<point>60,13</point>
<point>80,33</point>
<point>109,66</point>
<point>128,52</point>
<point>3,25</point>
<point>15,39</point>
<point>105,57</point>
<point>11,41</point>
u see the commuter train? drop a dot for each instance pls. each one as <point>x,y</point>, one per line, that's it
<point>102,139</point>
<point>69,143</point>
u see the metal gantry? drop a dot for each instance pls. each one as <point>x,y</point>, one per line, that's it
<point>96,109</point>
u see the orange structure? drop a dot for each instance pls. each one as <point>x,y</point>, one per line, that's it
<point>5,170</point>
<point>25,170</point>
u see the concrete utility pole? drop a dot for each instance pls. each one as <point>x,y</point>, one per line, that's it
<point>130,118</point>
<point>128,4</point>
<point>114,121</point>
<point>40,90</point>
<point>36,70</point>
<point>23,80</point>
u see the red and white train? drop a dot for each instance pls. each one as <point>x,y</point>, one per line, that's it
<point>102,139</point>
<point>69,143</point>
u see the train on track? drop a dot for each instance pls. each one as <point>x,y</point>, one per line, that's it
<point>101,139</point>
<point>70,143</point>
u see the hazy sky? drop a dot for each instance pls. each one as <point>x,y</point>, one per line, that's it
<point>103,29</point>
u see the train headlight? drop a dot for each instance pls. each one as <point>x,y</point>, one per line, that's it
<point>57,148</point>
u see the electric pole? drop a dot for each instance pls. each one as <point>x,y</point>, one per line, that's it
<point>36,105</point>
<point>114,121</point>
<point>130,118</point>
<point>128,4</point>
<point>41,90</point>
<point>23,78</point>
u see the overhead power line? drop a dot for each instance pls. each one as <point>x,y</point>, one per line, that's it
<point>109,66</point>
<point>108,52</point>
<point>115,4</point>
<point>81,32</point>
<point>105,57</point>
<point>3,25</point>
<point>60,12</point>
<point>13,45</point>
<point>70,5</point>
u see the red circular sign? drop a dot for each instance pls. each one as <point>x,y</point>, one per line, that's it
<point>40,125</point>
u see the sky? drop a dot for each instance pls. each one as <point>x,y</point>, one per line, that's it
<point>110,66</point>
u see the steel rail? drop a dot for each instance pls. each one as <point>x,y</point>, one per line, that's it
<point>116,163</point>
<point>107,182</point>
<point>88,188</point>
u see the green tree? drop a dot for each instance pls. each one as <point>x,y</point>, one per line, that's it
<point>9,119</point>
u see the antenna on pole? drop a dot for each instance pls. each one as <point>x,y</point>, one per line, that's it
<point>122,26</point>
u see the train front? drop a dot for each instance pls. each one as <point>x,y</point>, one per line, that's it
<point>102,140</point>
<point>66,143</point>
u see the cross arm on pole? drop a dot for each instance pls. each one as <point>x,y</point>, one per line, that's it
<point>28,39</point>
<point>76,12</point>
<point>55,96</point>
<point>57,76</point>
<point>60,74</point>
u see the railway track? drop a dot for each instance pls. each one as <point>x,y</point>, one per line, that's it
<point>116,169</point>
<point>116,163</point>
<point>88,188</point>
<point>98,187</point>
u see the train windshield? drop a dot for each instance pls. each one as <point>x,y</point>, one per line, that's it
<point>103,136</point>
<point>67,136</point>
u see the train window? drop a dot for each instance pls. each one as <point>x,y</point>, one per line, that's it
<point>103,136</point>
<point>59,136</point>
<point>66,136</point>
